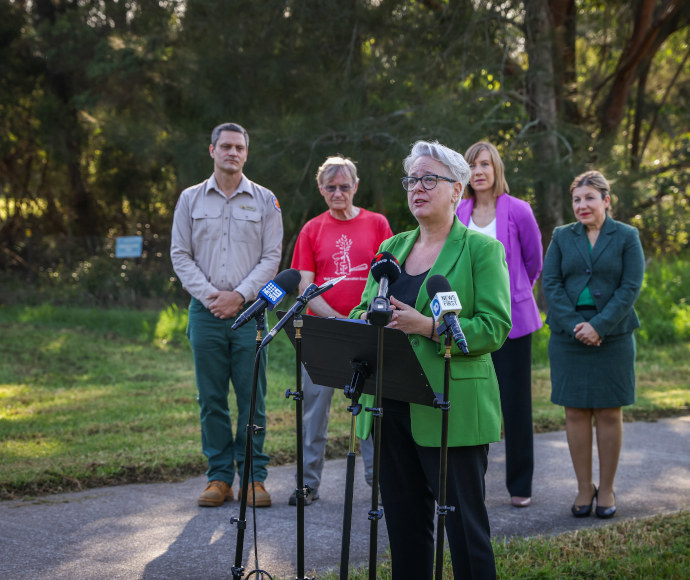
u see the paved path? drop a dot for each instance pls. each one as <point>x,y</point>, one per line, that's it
<point>156,531</point>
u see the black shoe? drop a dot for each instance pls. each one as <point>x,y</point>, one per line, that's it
<point>606,512</point>
<point>310,496</point>
<point>582,511</point>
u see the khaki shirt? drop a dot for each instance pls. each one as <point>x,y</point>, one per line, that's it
<point>226,244</point>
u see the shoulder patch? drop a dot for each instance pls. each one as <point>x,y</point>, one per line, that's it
<point>276,204</point>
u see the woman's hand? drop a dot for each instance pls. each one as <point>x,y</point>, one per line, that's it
<point>408,319</point>
<point>585,333</point>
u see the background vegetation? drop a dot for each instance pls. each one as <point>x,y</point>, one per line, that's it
<point>93,396</point>
<point>106,108</point>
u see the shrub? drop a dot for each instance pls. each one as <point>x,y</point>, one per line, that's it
<point>664,302</point>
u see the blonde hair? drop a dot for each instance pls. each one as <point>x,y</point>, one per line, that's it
<point>500,183</point>
<point>332,165</point>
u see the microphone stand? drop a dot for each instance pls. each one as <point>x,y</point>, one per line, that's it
<point>442,509</point>
<point>238,569</point>
<point>378,316</point>
<point>353,392</point>
<point>296,314</point>
<point>298,397</point>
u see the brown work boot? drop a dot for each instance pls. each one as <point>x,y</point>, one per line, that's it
<point>259,497</point>
<point>215,494</point>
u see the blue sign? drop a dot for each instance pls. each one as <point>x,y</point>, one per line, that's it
<point>128,246</point>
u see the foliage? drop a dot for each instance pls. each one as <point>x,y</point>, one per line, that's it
<point>664,302</point>
<point>106,108</point>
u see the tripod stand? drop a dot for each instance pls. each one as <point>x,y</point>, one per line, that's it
<point>336,347</point>
<point>298,397</point>
<point>241,522</point>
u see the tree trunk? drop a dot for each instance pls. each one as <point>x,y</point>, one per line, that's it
<point>67,130</point>
<point>652,27</point>
<point>542,107</point>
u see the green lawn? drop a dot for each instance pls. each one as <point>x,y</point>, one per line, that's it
<point>91,397</point>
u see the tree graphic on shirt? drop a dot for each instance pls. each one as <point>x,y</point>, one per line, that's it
<point>341,259</point>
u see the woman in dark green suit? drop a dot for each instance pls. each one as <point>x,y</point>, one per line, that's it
<point>592,276</point>
<point>475,267</point>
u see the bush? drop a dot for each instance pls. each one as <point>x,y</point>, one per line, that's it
<point>663,307</point>
<point>664,302</point>
<point>64,272</point>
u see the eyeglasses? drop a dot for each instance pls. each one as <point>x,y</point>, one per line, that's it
<point>345,188</point>
<point>428,181</point>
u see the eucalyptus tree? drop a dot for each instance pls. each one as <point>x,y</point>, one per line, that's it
<point>89,122</point>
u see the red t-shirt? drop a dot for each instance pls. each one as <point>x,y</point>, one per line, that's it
<point>332,248</point>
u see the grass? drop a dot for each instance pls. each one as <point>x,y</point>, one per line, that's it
<point>653,547</point>
<point>91,398</point>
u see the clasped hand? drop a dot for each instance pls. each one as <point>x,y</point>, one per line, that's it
<point>225,304</point>
<point>585,333</point>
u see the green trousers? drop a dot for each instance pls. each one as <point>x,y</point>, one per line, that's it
<point>222,356</point>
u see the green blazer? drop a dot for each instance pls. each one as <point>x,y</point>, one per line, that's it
<point>613,269</point>
<point>476,269</point>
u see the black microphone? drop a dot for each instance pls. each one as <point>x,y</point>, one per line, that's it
<point>445,305</point>
<point>385,269</point>
<point>311,291</point>
<point>296,308</point>
<point>270,295</point>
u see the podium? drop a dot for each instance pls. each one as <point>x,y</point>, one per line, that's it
<point>331,345</point>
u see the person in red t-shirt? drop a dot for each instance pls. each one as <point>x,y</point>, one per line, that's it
<point>340,242</point>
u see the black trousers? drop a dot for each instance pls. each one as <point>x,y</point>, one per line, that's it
<point>513,364</point>
<point>409,489</point>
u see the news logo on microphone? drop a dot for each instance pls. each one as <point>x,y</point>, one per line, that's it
<point>445,302</point>
<point>272,293</point>
<point>386,263</point>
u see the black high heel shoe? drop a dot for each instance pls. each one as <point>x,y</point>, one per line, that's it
<point>582,511</point>
<point>606,512</point>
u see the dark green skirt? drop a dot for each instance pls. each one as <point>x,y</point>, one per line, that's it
<point>592,377</point>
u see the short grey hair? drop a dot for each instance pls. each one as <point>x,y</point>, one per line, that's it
<point>456,164</point>
<point>332,166</point>
<point>229,127</point>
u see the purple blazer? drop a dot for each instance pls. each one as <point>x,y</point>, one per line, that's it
<point>517,230</point>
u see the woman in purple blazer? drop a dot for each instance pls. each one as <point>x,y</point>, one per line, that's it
<point>489,209</point>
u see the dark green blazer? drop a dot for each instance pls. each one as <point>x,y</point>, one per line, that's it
<point>476,269</point>
<point>613,270</point>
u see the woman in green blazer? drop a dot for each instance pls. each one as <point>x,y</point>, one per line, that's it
<point>592,276</point>
<point>475,267</point>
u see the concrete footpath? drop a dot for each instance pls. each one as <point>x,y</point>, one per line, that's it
<point>153,531</point>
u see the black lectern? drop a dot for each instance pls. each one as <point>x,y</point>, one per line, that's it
<point>331,345</point>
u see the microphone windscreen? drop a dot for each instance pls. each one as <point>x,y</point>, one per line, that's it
<point>437,283</point>
<point>385,264</point>
<point>288,280</point>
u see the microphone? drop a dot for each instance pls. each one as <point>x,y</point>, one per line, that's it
<point>311,291</point>
<point>270,295</point>
<point>385,269</point>
<point>445,305</point>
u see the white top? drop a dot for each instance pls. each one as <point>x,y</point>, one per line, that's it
<point>489,230</point>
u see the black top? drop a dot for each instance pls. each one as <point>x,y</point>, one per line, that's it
<point>406,288</point>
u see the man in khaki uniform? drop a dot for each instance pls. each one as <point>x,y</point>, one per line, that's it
<point>226,244</point>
